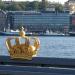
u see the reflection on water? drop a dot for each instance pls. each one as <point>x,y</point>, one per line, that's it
<point>62,47</point>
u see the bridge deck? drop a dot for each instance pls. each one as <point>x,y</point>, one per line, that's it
<point>37,66</point>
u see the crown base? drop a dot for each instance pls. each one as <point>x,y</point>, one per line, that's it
<point>21,57</point>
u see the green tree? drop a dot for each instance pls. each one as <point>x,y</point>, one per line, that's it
<point>28,6</point>
<point>2,5</point>
<point>35,5</point>
<point>58,7</point>
<point>40,6</point>
<point>16,6</point>
<point>13,6</point>
<point>22,5</point>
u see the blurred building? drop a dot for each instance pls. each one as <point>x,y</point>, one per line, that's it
<point>40,21</point>
<point>72,23</point>
<point>70,5</point>
<point>43,5</point>
<point>7,2</point>
<point>3,20</point>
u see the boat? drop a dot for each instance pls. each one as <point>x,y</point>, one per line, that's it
<point>71,33</point>
<point>13,33</point>
<point>9,34</point>
<point>50,33</point>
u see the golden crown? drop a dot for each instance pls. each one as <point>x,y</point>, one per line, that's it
<point>22,50</point>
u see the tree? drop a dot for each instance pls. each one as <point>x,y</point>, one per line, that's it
<point>22,5</point>
<point>2,5</point>
<point>58,7</point>
<point>35,5</point>
<point>16,6</point>
<point>27,4</point>
<point>13,6</point>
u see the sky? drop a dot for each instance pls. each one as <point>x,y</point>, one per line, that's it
<point>60,1</point>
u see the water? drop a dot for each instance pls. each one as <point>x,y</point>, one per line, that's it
<point>60,47</point>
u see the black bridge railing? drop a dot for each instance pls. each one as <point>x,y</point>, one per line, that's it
<point>37,66</point>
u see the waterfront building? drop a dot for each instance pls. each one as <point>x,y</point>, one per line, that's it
<point>7,2</point>
<point>3,19</point>
<point>72,23</point>
<point>35,21</point>
<point>70,5</point>
<point>44,6</point>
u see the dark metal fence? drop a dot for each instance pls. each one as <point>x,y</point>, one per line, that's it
<point>37,66</point>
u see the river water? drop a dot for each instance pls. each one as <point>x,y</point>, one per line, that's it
<point>50,46</point>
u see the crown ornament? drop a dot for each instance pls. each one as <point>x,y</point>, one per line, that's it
<point>24,50</point>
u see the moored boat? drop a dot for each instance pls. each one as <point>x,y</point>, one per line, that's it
<point>13,33</point>
<point>72,33</point>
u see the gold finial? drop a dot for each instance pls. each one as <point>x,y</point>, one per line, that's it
<point>22,32</point>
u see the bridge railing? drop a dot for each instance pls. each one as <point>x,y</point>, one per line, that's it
<point>37,66</point>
